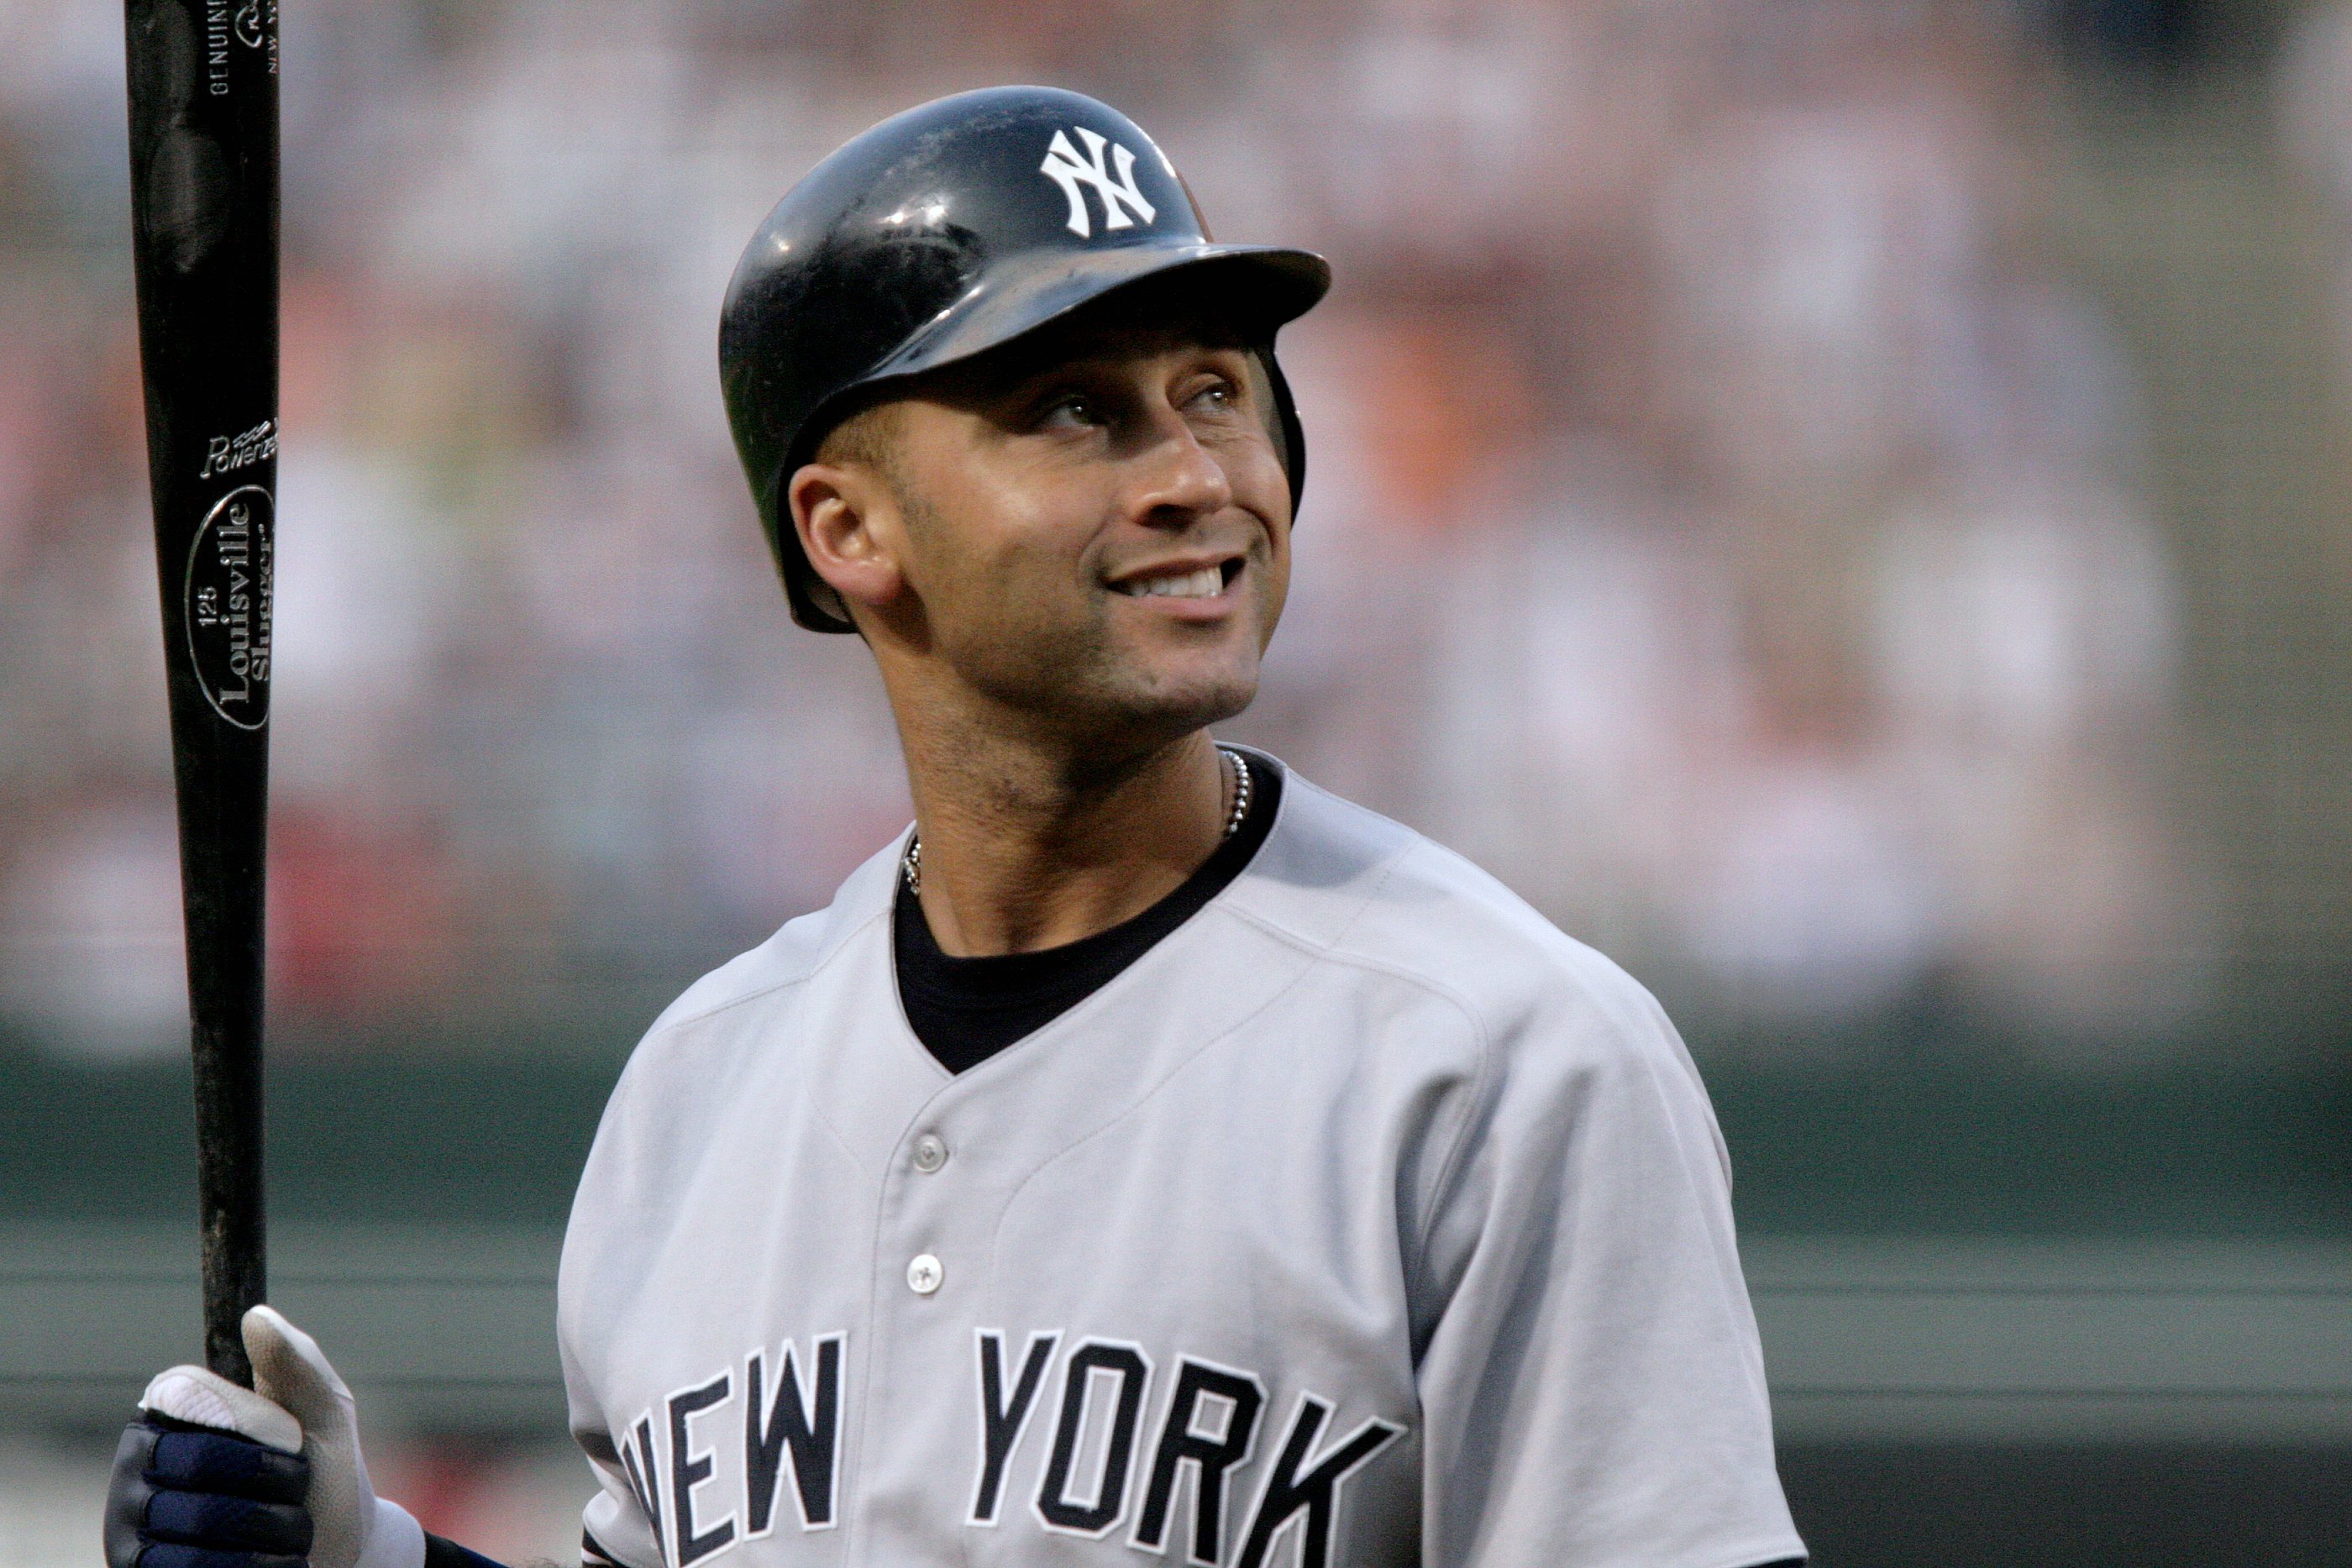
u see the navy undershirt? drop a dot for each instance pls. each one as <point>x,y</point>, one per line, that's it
<point>965,1010</point>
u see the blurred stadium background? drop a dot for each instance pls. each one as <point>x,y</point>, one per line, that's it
<point>1846,503</point>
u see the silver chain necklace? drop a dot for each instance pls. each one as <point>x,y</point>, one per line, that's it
<point>911,864</point>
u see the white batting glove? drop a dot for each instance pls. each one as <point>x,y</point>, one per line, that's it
<point>297,1400</point>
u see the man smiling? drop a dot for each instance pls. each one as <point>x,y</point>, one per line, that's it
<point>1067,557</point>
<point>1149,1151</point>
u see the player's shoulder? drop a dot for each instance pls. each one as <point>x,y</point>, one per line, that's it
<point>736,1003</point>
<point>1365,890</point>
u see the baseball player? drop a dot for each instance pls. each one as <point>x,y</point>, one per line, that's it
<point>1149,1153</point>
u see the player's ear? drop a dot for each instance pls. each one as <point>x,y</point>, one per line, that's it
<point>845,515</point>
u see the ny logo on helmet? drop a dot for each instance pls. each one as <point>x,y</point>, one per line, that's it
<point>1069,170</point>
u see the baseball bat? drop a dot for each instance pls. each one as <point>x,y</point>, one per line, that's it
<point>203,78</point>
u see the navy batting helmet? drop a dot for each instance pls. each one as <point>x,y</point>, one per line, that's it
<point>947,231</point>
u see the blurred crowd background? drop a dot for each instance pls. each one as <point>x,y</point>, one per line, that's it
<point>1736,519</point>
<point>1842,503</point>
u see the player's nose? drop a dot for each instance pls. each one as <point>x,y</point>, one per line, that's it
<point>1172,478</point>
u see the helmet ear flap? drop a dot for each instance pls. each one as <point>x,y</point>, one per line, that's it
<point>815,606</point>
<point>1282,425</point>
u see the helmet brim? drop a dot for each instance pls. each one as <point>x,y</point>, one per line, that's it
<point>1258,288</point>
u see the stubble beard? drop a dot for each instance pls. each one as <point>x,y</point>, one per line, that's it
<point>1075,682</point>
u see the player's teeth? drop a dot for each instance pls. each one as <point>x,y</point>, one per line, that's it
<point>1202,584</point>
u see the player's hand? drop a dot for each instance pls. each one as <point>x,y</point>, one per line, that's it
<point>228,1493</point>
<point>204,1481</point>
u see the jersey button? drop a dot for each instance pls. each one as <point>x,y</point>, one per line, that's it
<point>930,1154</point>
<point>925,1274</point>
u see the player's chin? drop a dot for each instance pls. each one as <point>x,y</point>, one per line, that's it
<point>1162,676</point>
<point>1180,693</point>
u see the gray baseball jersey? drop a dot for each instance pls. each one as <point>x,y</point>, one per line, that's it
<point>1365,1220</point>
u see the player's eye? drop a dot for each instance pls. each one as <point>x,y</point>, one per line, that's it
<point>1072,411</point>
<point>1220,393</point>
<point>1216,392</point>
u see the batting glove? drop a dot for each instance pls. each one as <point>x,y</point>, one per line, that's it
<point>216,1476</point>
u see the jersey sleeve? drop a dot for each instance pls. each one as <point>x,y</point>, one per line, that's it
<point>616,1529</point>
<point>1591,1386</point>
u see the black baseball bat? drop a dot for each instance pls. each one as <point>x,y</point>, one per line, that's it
<point>203,78</point>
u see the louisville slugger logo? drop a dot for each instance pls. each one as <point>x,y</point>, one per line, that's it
<point>1119,194</point>
<point>225,603</point>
